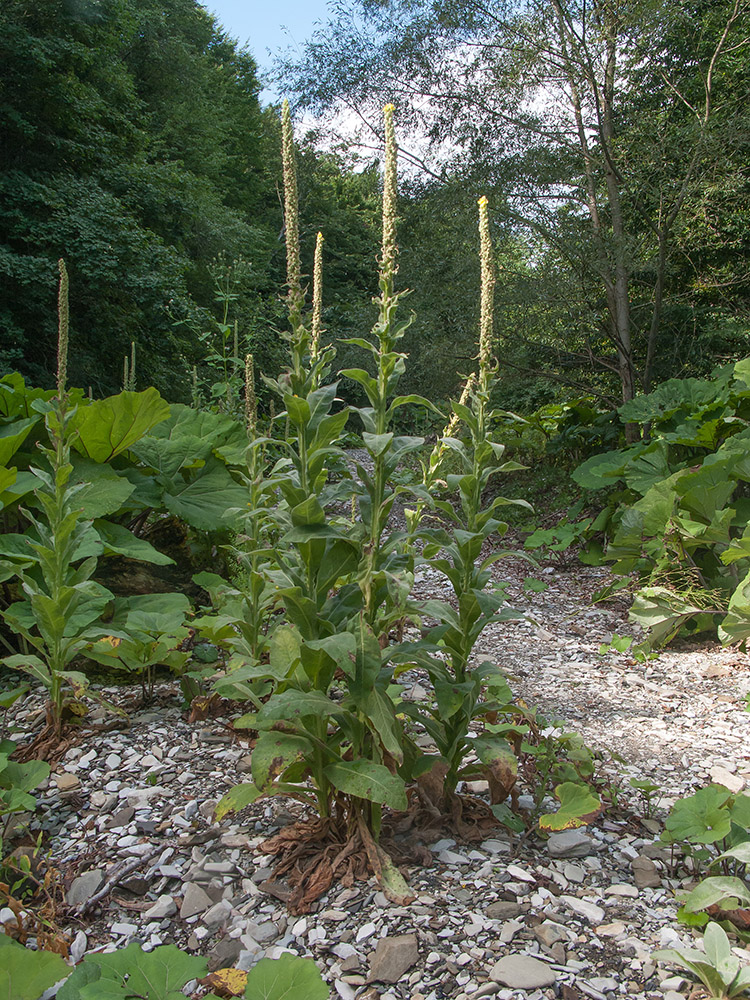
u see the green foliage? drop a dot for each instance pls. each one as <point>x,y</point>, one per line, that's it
<point>62,603</point>
<point>25,974</point>
<point>169,170</point>
<point>710,823</point>
<point>681,524</point>
<point>143,633</point>
<point>578,806</point>
<point>16,782</point>
<point>717,968</point>
<point>285,978</point>
<point>157,975</point>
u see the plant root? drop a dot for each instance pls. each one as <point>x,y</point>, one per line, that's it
<point>312,854</point>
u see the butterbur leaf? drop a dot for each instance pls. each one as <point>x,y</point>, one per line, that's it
<point>237,798</point>
<point>110,426</point>
<point>701,818</point>
<point>578,806</point>
<point>130,972</point>
<point>117,540</point>
<point>286,978</point>
<point>26,974</point>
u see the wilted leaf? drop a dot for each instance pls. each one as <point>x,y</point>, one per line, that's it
<point>578,806</point>
<point>226,982</point>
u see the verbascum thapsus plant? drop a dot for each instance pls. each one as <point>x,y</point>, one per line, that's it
<point>317,310</point>
<point>63,328</point>
<point>487,295</point>
<point>291,217</point>
<point>251,403</point>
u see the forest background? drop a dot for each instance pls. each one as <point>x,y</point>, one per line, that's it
<point>611,139</point>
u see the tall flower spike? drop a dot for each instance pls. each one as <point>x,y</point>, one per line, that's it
<point>317,314</point>
<point>488,286</point>
<point>63,323</point>
<point>132,365</point>
<point>291,212</point>
<point>251,403</point>
<point>452,425</point>
<point>388,263</point>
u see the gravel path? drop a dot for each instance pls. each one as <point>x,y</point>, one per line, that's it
<point>576,917</point>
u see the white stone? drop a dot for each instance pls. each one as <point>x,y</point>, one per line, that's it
<point>589,911</point>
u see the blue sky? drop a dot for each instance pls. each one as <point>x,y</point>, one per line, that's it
<point>269,24</point>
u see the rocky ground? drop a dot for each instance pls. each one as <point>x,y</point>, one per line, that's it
<point>127,817</point>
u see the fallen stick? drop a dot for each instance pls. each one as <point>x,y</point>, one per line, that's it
<point>125,868</point>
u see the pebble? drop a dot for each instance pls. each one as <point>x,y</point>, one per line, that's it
<point>164,906</point>
<point>67,782</point>
<point>194,901</point>
<point>570,844</point>
<point>523,972</point>
<point>393,958</point>
<point>83,887</point>
<point>583,908</point>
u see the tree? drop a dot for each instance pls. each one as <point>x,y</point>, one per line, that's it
<point>598,121</point>
<point>133,144</point>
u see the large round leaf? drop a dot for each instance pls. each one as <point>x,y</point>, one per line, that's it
<point>578,806</point>
<point>701,818</point>
<point>110,426</point>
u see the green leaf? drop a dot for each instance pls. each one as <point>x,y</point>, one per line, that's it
<point>110,426</point>
<point>12,436</point>
<point>131,972</point>
<point>578,806</point>
<point>26,974</point>
<point>117,540</point>
<point>8,698</point>
<point>105,492</point>
<point>366,780</point>
<point>273,753</point>
<point>719,952</point>
<point>203,501</point>
<point>285,978</point>
<point>701,818</point>
<point>727,891</point>
<point>237,798</point>
<point>376,444</point>
<point>292,706</point>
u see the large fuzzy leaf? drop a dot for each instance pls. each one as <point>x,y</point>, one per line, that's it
<point>273,753</point>
<point>110,426</point>
<point>285,978</point>
<point>727,891</point>
<point>367,780</point>
<point>237,798</point>
<point>26,974</point>
<point>12,436</point>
